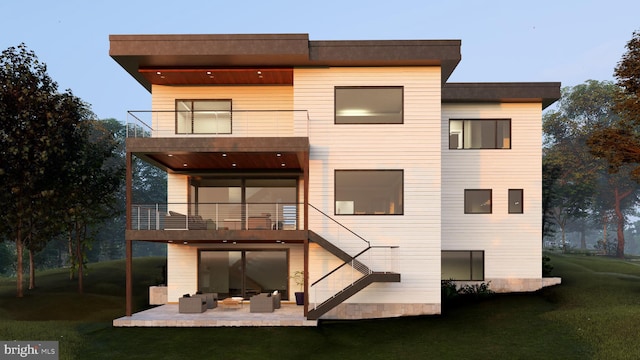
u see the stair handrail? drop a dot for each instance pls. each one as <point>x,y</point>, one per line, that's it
<point>339,224</point>
<point>351,261</point>
<point>342,265</point>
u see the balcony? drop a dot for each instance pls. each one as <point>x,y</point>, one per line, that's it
<point>207,123</point>
<point>216,223</point>
<point>215,216</point>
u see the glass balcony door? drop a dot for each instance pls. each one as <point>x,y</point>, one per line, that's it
<point>243,273</point>
<point>238,204</point>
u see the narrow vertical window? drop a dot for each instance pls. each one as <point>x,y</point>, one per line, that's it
<point>515,201</point>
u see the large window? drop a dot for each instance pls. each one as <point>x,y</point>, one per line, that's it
<point>203,116</point>
<point>480,134</point>
<point>369,192</point>
<point>477,201</point>
<point>515,201</point>
<point>369,105</point>
<point>462,265</point>
<point>246,203</point>
<point>243,272</point>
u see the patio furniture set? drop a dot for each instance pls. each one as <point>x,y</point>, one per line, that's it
<point>201,302</point>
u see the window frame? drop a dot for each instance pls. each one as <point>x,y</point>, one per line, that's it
<point>466,191</point>
<point>335,104</point>
<point>193,101</point>
<point>461,138</point>
<point>520,199</point>
<point>355,212</point>
<point>471,264</point>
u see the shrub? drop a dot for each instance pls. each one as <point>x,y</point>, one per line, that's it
<point>546,266</point>
<point>476,291</point>
<point>448,289</point>
<point>469,292</point>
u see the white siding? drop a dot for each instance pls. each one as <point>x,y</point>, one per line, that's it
<point>254,108</point>
<point>512,242</point>
<point>413,147</point>
<point>177,193</point>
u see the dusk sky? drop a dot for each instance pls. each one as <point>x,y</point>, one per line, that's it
<point>565,41</point>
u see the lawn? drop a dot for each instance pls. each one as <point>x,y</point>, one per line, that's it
<point>594,314</point>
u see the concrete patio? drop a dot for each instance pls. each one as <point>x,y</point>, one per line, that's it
<point>168,316</point>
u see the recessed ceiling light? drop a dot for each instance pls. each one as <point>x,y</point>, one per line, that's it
<point>208,72</point>
<point>259,72</point>
<point>158,73</point>
<point>278,154</point>
<point>283,164</point>
<point>185,164</point>
<point>224,154</point>
<point>169,155</point>
<point>234,164</point>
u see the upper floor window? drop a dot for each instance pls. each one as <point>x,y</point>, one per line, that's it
<point>480,134</point>
<point>369,105</point>
<point>203,116</point>
<point>369,192</point>
<point>477,201</point>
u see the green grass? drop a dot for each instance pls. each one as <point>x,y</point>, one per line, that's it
<point>594,314</point>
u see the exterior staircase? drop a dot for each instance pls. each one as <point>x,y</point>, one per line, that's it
<point>368,276</point>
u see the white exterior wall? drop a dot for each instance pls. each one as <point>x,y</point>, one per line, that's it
<point>177,193</point>
<point>243,98</point>
<point>512,242</point>
<point>413,147</point>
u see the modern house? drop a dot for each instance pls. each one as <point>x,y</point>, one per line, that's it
<point>354,162</point>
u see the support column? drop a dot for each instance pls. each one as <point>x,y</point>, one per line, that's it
<point>305,166</point>
<point>128,243</point>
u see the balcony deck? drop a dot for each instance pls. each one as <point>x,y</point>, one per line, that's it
<point>217,236</point>
<point>168,316</point>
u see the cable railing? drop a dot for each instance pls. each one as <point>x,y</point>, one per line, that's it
<point>214,216</point>
<point>365,259</point>
<point>207,123</point>
<point>337,233</point>
<point>374,259</point>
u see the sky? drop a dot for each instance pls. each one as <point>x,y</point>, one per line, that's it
<point>567,41</point>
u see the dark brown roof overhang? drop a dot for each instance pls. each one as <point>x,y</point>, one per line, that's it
<point>517,92</point>
<point>136,52</point>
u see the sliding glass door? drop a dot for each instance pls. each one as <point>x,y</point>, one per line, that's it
<point>248,203</point>
<point>243,272</point>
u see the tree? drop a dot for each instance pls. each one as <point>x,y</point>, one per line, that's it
<point>585,187</point>
<point>566,131</point>
<point>618,142</point>
<point>550,175</point>
<point>37,131</point>
<point>93,179</point>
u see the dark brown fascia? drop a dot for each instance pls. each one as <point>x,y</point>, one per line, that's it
<point>134,52</point>
<point>443,53</point>
<point>541,92</point>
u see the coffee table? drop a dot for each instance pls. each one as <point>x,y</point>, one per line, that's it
<point>231,303</point>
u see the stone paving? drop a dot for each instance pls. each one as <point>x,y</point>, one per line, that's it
<point>168,316</point>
